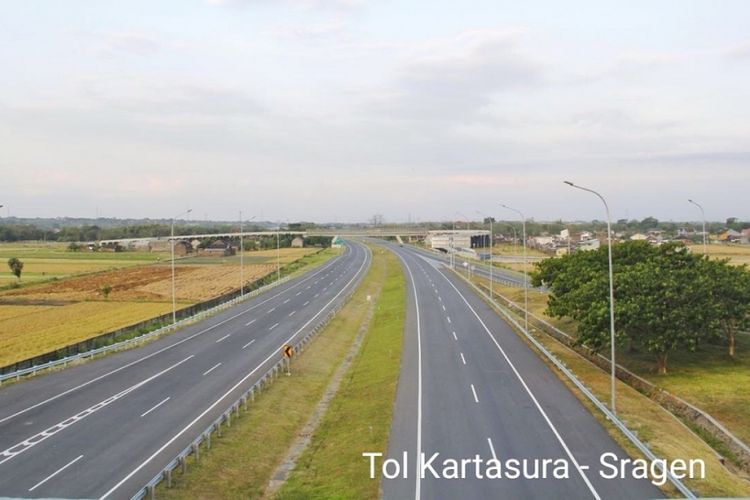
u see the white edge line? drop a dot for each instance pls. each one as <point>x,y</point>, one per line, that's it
<point>56,473</point>
<point>528,391</point>
<point>235,386</point>
<point>418,486</point>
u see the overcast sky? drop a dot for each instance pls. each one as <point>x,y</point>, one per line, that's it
<point>340,109</point>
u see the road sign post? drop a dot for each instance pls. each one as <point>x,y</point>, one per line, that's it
<point>288,351</point>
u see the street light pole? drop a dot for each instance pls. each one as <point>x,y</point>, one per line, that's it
<point>525,270</point>
<point>703,218</point>
<point>491,242</point>
<point>611,294</point>
<point>242,262</point>
<point>242,255</point>
<point>174,299</point>
<point>278,256</point>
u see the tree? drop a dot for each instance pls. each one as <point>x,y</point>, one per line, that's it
<point>649,223</point>
<point>730,291</point>
<point>16,266</point>
<point>662,296</point>
<point>662,304</point>
<point>106,289</point>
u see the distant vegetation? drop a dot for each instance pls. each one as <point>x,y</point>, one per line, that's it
<point>666,298</point>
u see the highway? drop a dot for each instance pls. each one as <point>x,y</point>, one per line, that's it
<point>470,386</point>
<point>499,275</point>
<point>106,427</point>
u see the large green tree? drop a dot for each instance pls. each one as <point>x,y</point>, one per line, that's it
<point>730,293</point>
<point>662,296</point>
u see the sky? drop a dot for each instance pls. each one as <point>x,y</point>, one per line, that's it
<point>336,110</point>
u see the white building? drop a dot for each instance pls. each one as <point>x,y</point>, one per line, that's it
<point>453,241</point>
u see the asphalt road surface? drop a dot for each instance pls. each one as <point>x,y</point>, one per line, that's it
<point>105,428</point>
<point>499,275</point>
<point>470,386</point>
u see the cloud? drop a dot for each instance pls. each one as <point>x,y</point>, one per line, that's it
<point>741,51</point>
<point>332,29</point>
<point>310,4</point>
<point>455,79</point>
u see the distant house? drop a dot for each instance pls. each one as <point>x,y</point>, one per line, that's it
<point>183,248</point>
<point>591,244</point>
<point>639,237</point>
<point>730,235</point>
<point>298,242</point>
<point>219,248</point>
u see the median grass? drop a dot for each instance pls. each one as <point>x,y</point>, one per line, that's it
<point>665,434</point>
<point>241,462</point>
<point>359,418</point>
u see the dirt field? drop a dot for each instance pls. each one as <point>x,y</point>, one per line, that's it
<point>41,317</point>
<point>738,254</point>
<point>52,327</point>
<point>46,261</point>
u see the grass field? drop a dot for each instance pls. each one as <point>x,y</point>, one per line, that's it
<point>41,317</point>
<point>54,327</point>
<point>738,254</point>
<point>45,261</point>
<point>665,434</point>
<point>236,466</point>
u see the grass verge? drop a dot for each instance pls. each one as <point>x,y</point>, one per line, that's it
<point>359,418</point>
<point>240,463</point>
<point>665,434</point>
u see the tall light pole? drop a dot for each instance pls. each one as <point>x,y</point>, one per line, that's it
<point>174,299</point>
<point>611,293</point>
<point>491,241</point>
<point>278,255</point>
<point>703,218</point>
<point>242,260</point>
<point>525,270</point>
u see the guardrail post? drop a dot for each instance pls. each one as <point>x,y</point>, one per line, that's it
<point>208,440</point>
<point>183,464</point>
<point>196,451</point>
<point>151,491</point>
<point>168,477</point>
<point>229,418</point>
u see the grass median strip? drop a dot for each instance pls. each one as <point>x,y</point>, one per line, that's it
<point>241,463</point>
<point>359,418</point>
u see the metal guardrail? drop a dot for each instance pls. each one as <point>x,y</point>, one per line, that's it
<point>149,489</point>
<point>141,338</point>
<point>643,447</point>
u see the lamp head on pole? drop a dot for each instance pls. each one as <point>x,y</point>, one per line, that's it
<point>569,183</point>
